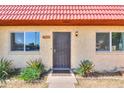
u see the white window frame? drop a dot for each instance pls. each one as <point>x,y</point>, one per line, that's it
<point>24,41</point>
<point>110,41</point>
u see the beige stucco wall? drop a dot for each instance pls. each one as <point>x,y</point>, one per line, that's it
<point>82,47</point>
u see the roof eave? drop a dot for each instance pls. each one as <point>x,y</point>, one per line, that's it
<point>73,22</point>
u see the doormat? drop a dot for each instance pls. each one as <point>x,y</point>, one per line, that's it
<point>61,71</point>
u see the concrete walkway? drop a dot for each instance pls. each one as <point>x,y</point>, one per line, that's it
<point>61,80</point>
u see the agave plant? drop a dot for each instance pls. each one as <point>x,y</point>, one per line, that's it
<point>33,71</point>
<point>29,74</point>
<point>37,64</point>
<point>5,66</point>
<point>85,67</point>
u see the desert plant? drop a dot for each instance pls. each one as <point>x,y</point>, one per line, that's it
<point>29,74</point>
<point>85,67</point>
<point>5,68</point>
<point>37,64</point>
<point>33,71</point>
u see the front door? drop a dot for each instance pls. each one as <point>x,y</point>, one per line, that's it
<point>61,50</point>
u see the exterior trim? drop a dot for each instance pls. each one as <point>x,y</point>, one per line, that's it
<point>73,22</point>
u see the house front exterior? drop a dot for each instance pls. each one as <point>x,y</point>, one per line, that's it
<point>63,35</point>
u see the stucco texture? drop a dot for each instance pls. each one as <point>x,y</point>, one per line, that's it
<point>82,47</point>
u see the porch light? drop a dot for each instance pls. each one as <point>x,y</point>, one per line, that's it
<point>76,33</point>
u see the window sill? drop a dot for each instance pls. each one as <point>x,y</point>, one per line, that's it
<point>24,53</point>
<point>111,53</point>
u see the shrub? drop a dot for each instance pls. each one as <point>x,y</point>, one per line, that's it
<point>30,74</point>
<point>5,68</point>
<point>85,67</point>
<point>33,71</point>
<point>37,64</point>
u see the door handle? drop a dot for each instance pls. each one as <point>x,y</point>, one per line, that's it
<point>54,50</point>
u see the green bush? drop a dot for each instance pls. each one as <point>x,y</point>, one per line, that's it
<point>37,64</point>
<point>85,67</point>
<point>30,74</point>
<point>33,71</point>
<point>5,68</point>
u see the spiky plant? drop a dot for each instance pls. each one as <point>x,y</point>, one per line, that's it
<point>85,67</point>
<point>5,67</point>
<point>33,71</point>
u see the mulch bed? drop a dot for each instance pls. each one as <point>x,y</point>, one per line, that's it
<point>102,76</point>
<point>98,74</point>
<point>101,80</point>
<point>16,83</point>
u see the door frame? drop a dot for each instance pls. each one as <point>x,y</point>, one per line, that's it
<point>53,52</point>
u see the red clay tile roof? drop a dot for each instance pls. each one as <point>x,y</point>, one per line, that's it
<point>60,12</point>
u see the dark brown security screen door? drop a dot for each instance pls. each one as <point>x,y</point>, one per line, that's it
<point>61,50</point>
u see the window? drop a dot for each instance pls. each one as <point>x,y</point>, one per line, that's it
<point>17,41</point>
<point>32,41</point>
<point>25,41</point>
<point>102,42</point>
<point>118,41</point>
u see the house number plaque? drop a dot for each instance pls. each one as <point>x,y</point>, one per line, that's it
<point>46,37</point>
